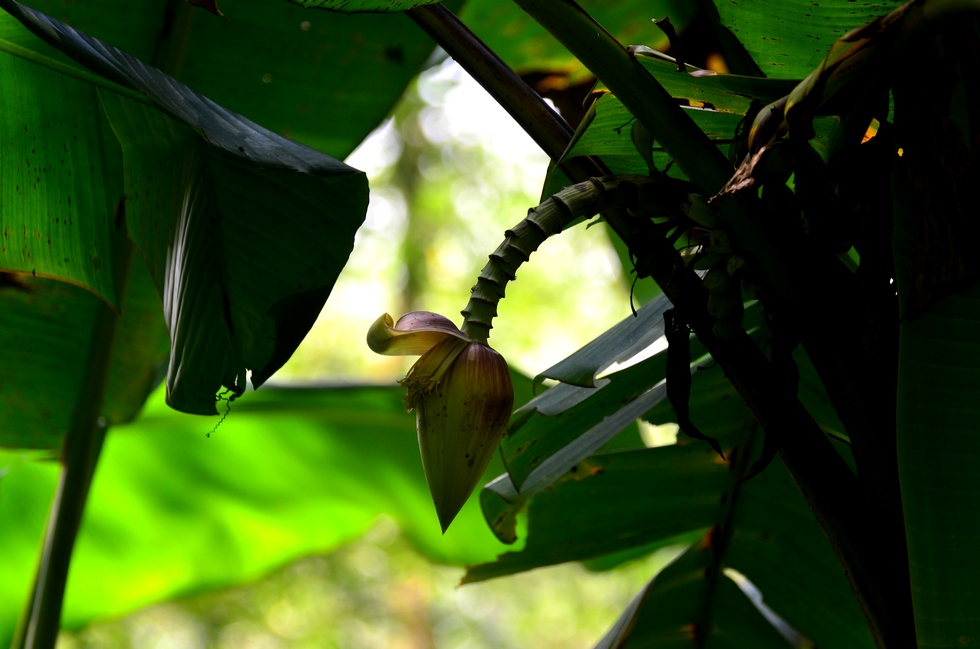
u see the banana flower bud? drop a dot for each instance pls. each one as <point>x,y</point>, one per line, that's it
<point>462,395</point>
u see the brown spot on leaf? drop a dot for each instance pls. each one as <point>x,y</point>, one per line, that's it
<point>394,54</point>
<point>584,470</point>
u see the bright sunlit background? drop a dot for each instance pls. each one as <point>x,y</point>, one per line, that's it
<point>449,172</point>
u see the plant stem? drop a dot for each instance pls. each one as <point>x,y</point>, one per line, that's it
<point>546,127</point>
<point>724,530</point>
<point>38,628</point>
<point>517,98</point>
<point>550,217</point>
<point>79,457</point>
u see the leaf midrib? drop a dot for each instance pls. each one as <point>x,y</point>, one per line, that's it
<point>81,74</point>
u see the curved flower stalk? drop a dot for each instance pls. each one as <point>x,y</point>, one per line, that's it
<point>462,395</point>
<point>584,199</point>
<point>460,388</point>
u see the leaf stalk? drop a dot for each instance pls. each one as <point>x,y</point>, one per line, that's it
<point>41,621</point>
<point>550,131</point>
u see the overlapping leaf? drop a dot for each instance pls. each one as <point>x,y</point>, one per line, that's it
<point>244,232</point>
<point>778,545</point>
<point>58,192</point>
<point>619,343</point>
<point>729,93</point>
<point>630,498</point>
<point>320,78</point>
<point>938,380</point>
<point>771,539</point>
<point>672,611</point>
<point>716,103</point>
<point>645,498</point>
<point>789,38</point>
<point>567,423</point>
<point>608,136</point>
<point>45,332</point>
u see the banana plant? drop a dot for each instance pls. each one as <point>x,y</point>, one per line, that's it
<point>804,216</point>
<point>781,218</point>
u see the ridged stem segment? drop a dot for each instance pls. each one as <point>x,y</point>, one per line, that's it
<point>550,217</point>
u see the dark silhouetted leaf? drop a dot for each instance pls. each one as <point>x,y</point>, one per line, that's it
<point>205,187</point>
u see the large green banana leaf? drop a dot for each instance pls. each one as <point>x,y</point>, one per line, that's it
<point>202,186</point>
<point>172,511</point>
<point>937,459</point>
<point>789,38</point>
<point>323,79</point>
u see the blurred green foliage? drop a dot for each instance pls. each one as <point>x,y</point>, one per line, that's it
<point>380,593</point>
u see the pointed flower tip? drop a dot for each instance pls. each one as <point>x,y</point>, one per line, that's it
<point>445,521</point>
<point>414,334</point>
<point>448,510</point>
<point>462,394</point>
<point>460,424</point>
